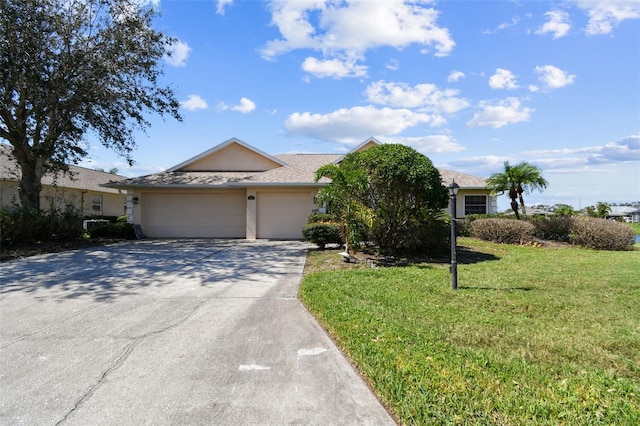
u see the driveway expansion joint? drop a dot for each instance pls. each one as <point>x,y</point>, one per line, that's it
<point>128,349</point>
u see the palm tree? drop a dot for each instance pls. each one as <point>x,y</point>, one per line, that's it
<point>516,180</point>
<point>342,197</point>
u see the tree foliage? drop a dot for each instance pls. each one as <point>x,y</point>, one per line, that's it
<point>515,181</point>
<point>601,210</point>
<point>399,188</point>
<point>69,67</point>
<point>343,197</point>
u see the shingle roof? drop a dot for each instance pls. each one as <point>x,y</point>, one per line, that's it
<point>299,170</point>
<point>464,180</point>
<point>80,178</point>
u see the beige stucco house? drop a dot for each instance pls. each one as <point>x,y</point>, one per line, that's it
<point>80,189</point>
<point>234,190</point>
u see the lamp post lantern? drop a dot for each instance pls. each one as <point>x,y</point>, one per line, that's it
<point>453,192</point>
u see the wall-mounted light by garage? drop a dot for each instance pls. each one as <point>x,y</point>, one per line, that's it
<point>135,200</point>
<point>251,197</point>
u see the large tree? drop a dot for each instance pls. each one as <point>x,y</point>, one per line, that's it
<point>73,67</point>
<point>515,181</point>
<point>400,188</point>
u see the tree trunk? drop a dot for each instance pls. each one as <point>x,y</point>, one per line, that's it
<point>514,204</point>
<point>524,209</point>
<point>514,207</point>
<point>30,180</point>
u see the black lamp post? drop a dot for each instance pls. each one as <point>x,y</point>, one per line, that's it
<point>453,192</point>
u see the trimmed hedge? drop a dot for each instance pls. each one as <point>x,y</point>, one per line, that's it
<point>505,231</point>
<point>322,234</point>
<point>594,233</point>
<point>602,234</point>
<point>122,230</point>
<point>554,228</point>
<point>321,218</point>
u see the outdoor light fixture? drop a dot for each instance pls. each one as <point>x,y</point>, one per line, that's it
<point>453,192</point>
<point>135,200</point>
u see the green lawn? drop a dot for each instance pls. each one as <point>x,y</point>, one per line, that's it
<point>532,335</point>
<point>635,226</point>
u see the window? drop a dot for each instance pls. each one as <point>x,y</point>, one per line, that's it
<point>96,205</point>
<point>475,204</point>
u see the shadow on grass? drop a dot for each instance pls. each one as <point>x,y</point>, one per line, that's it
<point>467,256</point>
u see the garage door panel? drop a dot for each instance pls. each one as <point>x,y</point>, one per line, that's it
<point>212,215</point>
<point>282,215</point>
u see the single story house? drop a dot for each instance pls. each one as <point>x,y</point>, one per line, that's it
<point>234,190</point>
<point>81,189</point>
<point>626,213</point>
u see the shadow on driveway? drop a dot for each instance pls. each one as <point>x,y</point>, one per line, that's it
<point>107,272</point>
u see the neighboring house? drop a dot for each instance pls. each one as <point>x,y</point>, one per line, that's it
<point>628,214</point>
<point>234,190</point>
<point>531,212</point>
<point>81,189</point>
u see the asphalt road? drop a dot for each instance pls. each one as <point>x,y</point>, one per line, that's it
<point>188,332</point>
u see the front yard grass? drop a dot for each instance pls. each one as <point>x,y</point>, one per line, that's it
<point>531,336</point>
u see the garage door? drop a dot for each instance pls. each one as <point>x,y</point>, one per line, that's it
<point>194,215</point>
<point>282,215</point>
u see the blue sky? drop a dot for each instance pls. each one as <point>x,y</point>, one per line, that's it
<point>471,84</point>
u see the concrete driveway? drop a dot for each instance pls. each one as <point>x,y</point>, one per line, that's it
<point>188,332</point>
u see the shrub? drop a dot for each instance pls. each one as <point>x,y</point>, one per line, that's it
<point>431,237</point>
<point>463,225</point>
<point>601,234</point>
<point>503,230</point>
<point>31,226</point>
<point>321,218</point>
<point>114,230</point>
<point>322,234</point>
<point>112,219</point>
<point>553,228</point>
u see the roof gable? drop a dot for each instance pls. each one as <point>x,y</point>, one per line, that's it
<point>230,156</point>
<point>368,143</point>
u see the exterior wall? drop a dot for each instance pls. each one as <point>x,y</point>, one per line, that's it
<point>8,194</point>
<point>231,158</point>
<point>52,198</point>
<point>492,202</point>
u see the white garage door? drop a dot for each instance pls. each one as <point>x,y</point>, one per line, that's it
<point>194,215</point>
<point>282,215</point>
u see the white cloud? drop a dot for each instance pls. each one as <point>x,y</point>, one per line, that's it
<point>393,65</point>
<point>335,68</point>
<point>503,79</point>
<point>245,106</point>
<point>221,5</point>
<point>507,111</point>
<point>432,143</point>
<point>481,163</point>
<point>353,125</point>
<point>193,103</point>
<point>349,29</point>
<point>426,96</point>
<point>553,77</point>
<point>558,24</point>
<point>514,21</point>
<point>625,150</point>
<point>604,15</point>
<point>176,54</point>
<point>455,76</point>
